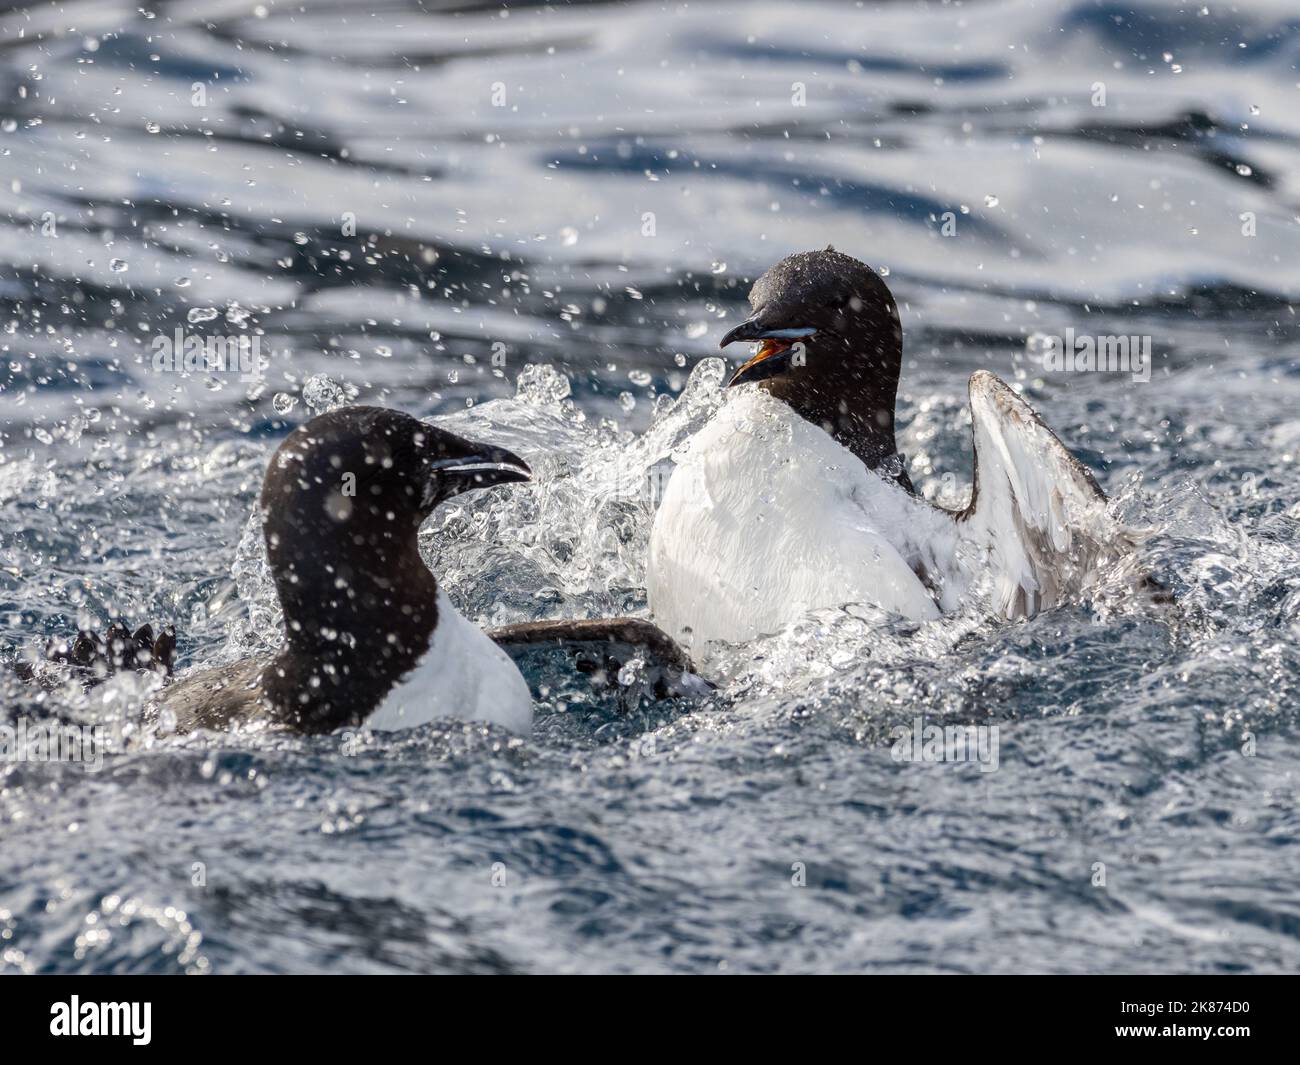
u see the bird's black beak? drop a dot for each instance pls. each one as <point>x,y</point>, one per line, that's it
<point>777,351</point>
<point>483,466</point>
<point>746,331</point>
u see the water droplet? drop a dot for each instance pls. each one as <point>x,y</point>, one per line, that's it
<point>321,394</point>
<point>283,403</point>
<point>639,378</point>
<point>119,266</point>
<point>201,314</point>
<point>707,375</point>
<point>632,672</point>
<point>990,201</point>
<point>542,385</point>
<point>627,402</point>
<point>1038,343</point>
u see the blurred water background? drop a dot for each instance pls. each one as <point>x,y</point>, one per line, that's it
<point>536,222</point>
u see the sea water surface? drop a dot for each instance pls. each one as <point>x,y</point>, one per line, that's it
<point>535,222</point>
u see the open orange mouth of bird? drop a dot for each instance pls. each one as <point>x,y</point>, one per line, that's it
<point>773,355</point>
<point>767,348</point>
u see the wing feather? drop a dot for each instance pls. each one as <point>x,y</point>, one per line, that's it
<point>1037,530</point>
<point>606,645</point>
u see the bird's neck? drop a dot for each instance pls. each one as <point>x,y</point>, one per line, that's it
<point>351,634</point>
<point>867,431</point>
<point>859,418</point>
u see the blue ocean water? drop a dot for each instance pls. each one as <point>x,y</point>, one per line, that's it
<point>536,222</point>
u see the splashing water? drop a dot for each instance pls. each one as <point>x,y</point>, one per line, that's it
<point>1143,813</point>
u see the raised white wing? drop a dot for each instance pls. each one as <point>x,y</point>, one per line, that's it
<point>1037,531</point>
